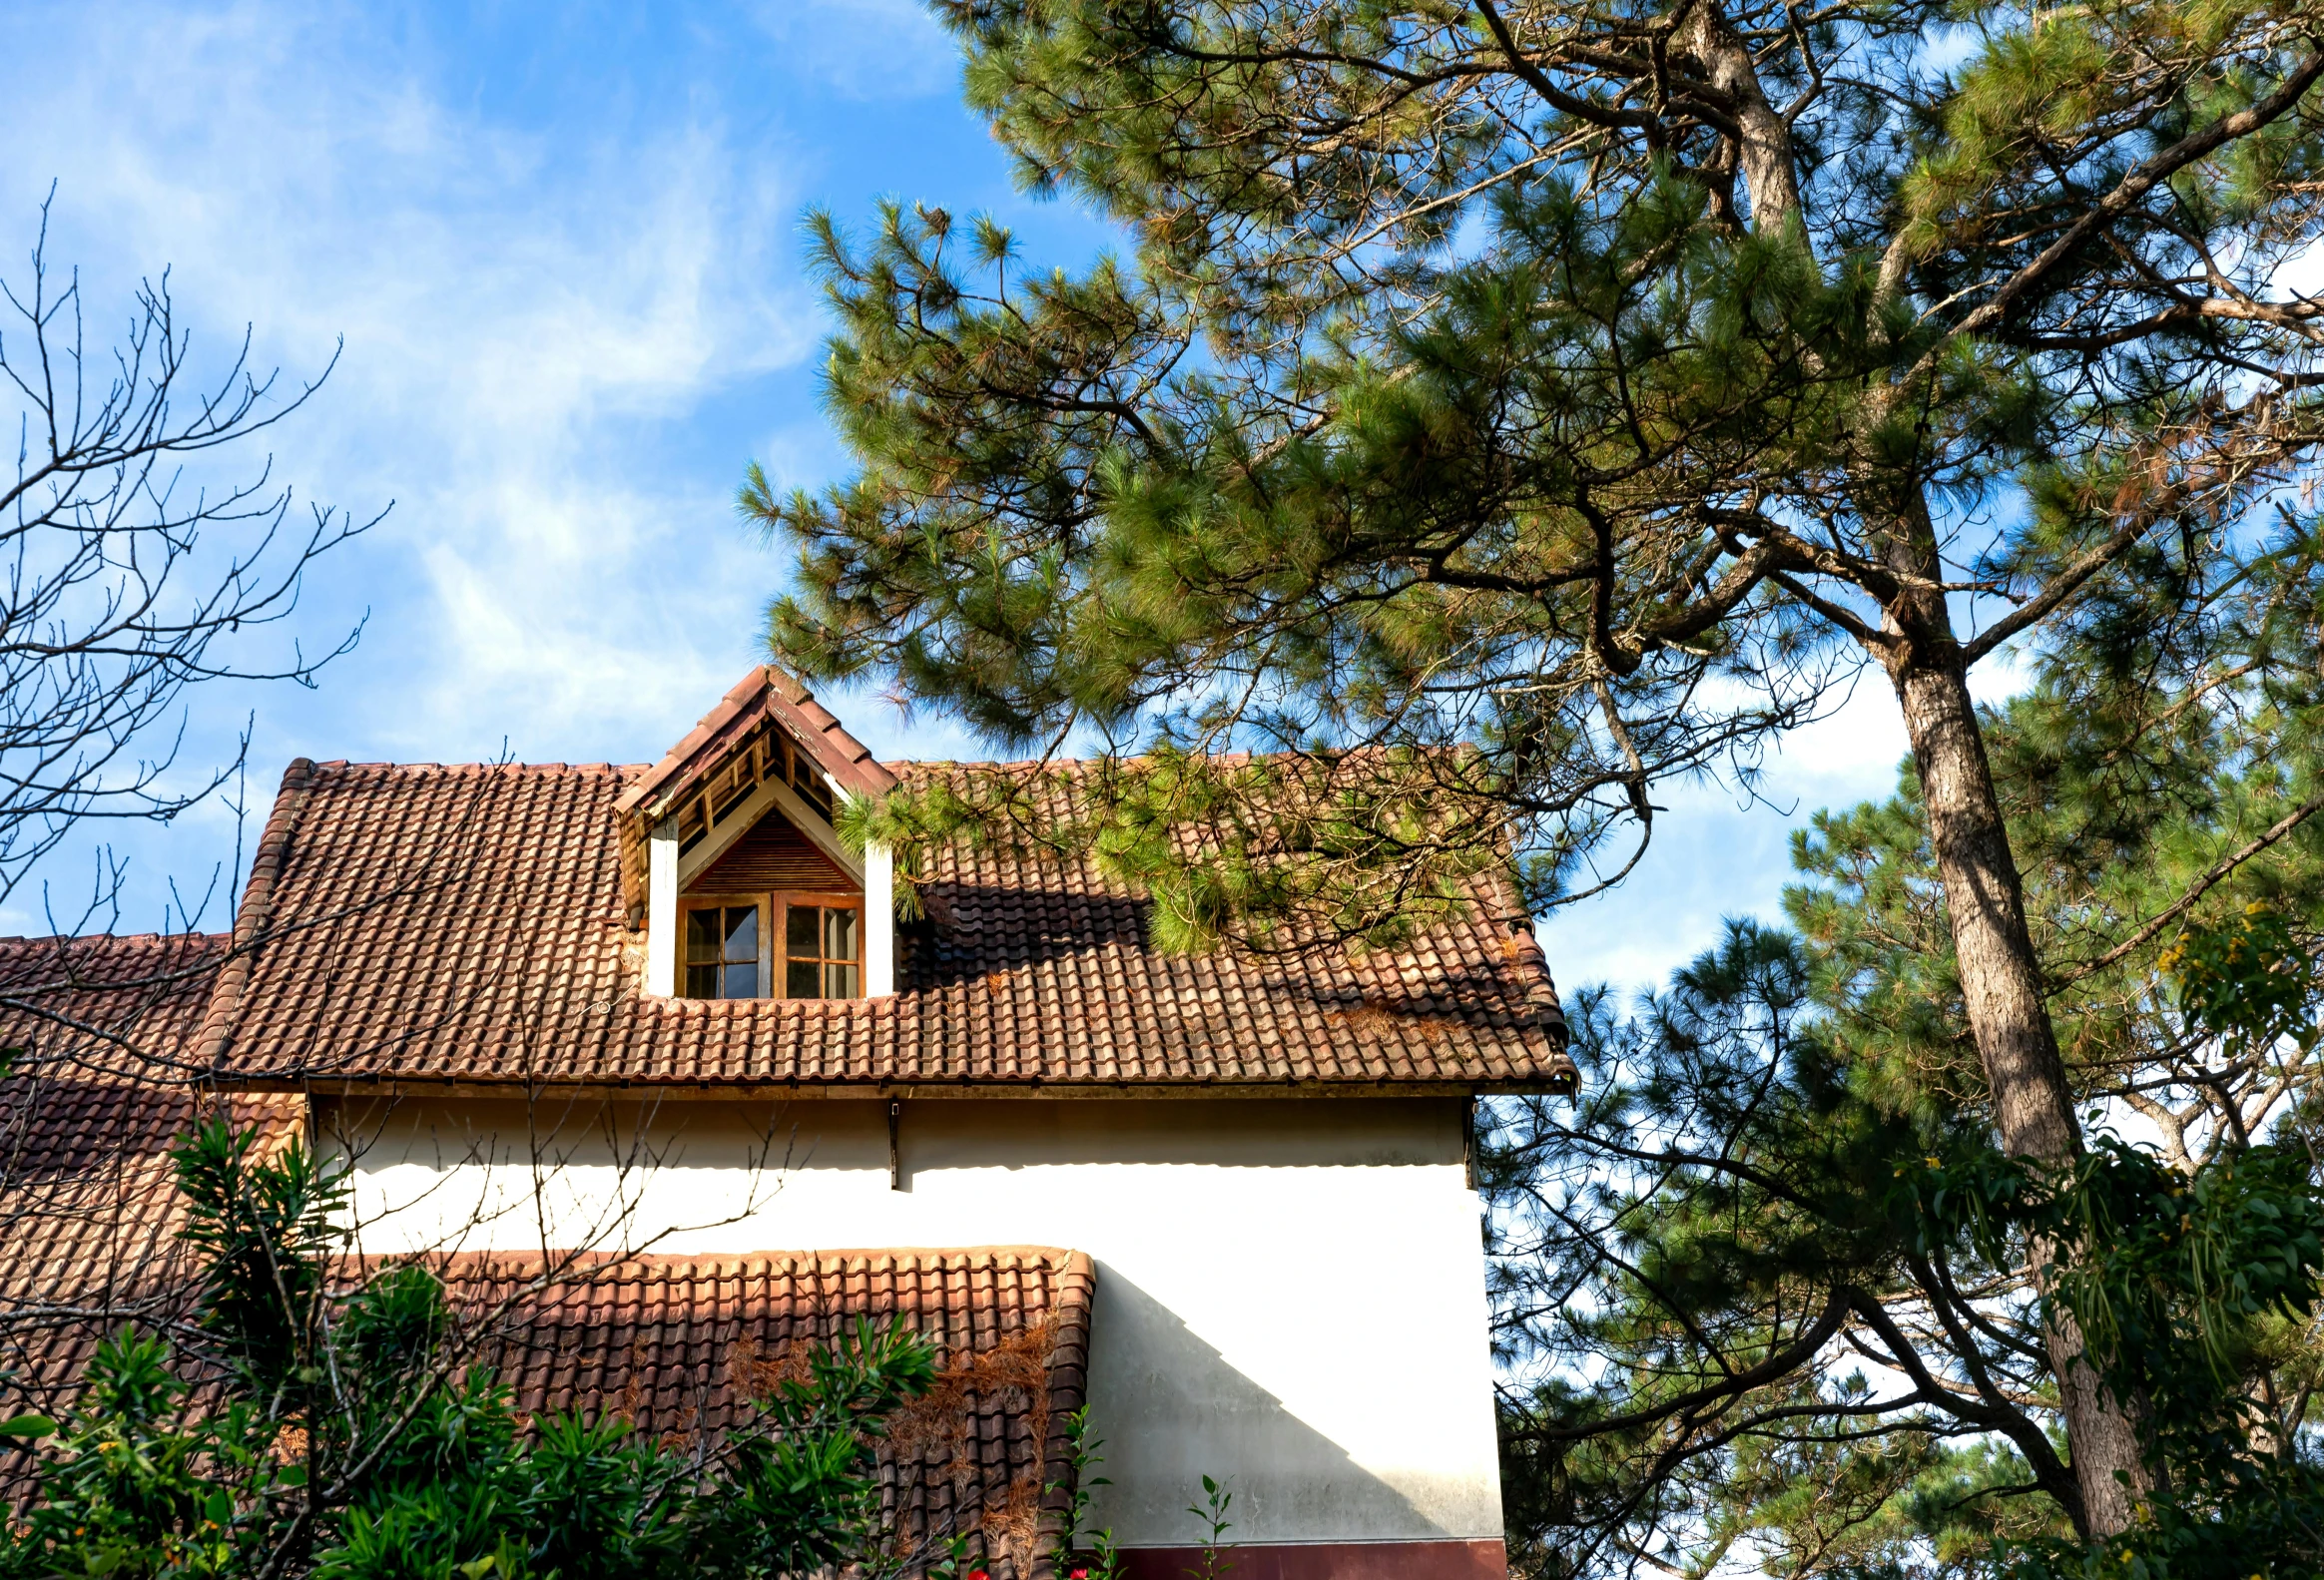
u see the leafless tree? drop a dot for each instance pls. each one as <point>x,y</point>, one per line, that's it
<point>129,572</point>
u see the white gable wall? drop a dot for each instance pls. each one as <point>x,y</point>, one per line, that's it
<point>1289,1292</point>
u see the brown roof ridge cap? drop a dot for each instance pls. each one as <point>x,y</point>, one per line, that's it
<point>775,691</point>
<point>8,940</point>
<point>819,729</point>
<point>345,765</point>
<point>1066,1261</point>
<point>258,905</point>
<point>673,761</point>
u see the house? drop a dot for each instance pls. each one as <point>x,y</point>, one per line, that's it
<point>664,1027</point>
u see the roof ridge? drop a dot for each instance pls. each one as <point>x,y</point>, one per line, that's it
<point>267,862</point>
<point>6,939</point>
<point>348,766</point>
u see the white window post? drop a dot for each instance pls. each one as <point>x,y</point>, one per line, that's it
<point>879,921</point>
<point>662,910</point>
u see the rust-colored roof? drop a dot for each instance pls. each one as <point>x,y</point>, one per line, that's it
<point>766,693</point>
<point>89,1211</point>
<point>105,1003</point>
<point>430,924</point>
<point>675,1344</point>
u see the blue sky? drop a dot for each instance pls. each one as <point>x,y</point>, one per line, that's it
<point>562,245</point>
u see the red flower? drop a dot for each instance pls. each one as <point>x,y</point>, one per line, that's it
<point>978,1574</point>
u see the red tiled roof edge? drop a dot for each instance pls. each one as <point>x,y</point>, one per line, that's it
<point>765,691</point>
<point>258,906</point>
<point>1069,1278</point>
<point>1068,1391</point>
<point>845,757</point>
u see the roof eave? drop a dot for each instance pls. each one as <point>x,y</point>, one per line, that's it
<point>1560,1085</point>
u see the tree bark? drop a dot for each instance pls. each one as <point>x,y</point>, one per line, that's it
<point>2001,977</point>
<point>1762,144</point>
<point>2001,987</point>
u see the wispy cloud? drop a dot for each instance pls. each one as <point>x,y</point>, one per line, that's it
<point>864,49</point>
<point>533,318</point>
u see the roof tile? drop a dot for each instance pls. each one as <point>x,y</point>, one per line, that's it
<point>417,924</point>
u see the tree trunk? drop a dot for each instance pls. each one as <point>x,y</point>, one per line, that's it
<point>2001,979</point>
<point>2001,987</point>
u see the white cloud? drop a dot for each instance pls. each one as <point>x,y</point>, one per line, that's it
<point>864,49</point>
<point>536,316</point>
<point>527,322</point>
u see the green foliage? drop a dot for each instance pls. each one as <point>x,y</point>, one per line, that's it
<point>2168,1274</point>
<point>1447,397</point>
<point>339,1433</point>
<point>1210,1514</point>
<point>1709,1298</point>
<point>1080,1554</point>
<point>264,1230</point>
<point>1774,1134</point>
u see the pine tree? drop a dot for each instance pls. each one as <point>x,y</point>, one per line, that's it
<point>1741,1306</point>
<point>1498,410</point>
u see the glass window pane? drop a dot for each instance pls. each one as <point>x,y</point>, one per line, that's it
<point>840,933</point>
<point>741,981</point>
<point>702,936</point>
<point>800,933</point>
<point>838,981</point>
<point>800,980</point>
<point>742,933</point>
<point>702,982</point>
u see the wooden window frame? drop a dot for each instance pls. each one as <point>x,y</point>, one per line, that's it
<point>774,934</point>
<point>779,908</point>
<point>768,912</point>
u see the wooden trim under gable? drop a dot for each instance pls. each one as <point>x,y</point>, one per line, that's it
<point>771,796</point>
<point>771,856</point>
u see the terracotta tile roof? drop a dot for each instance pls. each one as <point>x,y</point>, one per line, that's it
<point>89,1212</point>
<point>465,924</point>
<point>673,1342</point>
<point>100,1002</point>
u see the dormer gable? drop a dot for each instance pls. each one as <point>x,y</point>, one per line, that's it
<point>733,867</point>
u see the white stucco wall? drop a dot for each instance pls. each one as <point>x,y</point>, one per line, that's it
<point>1290,1295</point>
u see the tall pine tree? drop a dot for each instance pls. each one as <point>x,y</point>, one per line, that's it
<point>1556,396</point>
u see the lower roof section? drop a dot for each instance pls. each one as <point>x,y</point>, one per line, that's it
<point>680,1345</point>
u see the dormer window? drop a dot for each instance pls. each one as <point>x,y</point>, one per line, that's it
<point>722,951</point>
<point>822,950</point>
<point>733,865</point>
